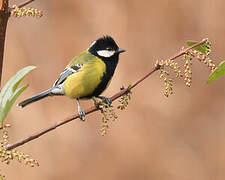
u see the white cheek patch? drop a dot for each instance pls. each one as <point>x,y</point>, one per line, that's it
<point>105,53</point>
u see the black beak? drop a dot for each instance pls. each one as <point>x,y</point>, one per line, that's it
<point>120,50</point>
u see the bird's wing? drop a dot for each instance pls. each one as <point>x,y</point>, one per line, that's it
<point>62,77</point>
<point>75,64</point>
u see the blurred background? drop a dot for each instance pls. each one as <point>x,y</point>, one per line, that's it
<point>175,138</point>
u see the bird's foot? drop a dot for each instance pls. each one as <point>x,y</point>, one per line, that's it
<point>81,115</point>
<point>106,100</point>
<point>80,111</point>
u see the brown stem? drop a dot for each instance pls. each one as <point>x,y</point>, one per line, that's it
<point>95,108</point>
<point>4,15</point>
<point>25,3</point>
<point>22,4</point>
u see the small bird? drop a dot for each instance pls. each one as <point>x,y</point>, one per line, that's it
<point>87,75</point>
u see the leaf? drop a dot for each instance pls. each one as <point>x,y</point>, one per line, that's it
<point>202,48</point>
<point>10,102</point>
<point>13,83</point>
<point>10,93</point>
<point>218,72</point>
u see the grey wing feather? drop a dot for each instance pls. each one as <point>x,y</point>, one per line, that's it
<point>67,71</point>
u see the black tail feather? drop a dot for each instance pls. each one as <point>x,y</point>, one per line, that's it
<point>36,98</point>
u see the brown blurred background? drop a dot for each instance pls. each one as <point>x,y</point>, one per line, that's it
<point>175,138</point>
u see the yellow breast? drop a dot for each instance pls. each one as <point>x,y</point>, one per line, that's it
<point>85,80</point>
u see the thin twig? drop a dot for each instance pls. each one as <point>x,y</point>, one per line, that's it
<point>95,108</point>
<point>25,3</point>
<point>21,5</point>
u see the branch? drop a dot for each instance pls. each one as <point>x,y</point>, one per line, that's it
<point>95,108</point>
<point>4,15</point>
<point>25,3</point>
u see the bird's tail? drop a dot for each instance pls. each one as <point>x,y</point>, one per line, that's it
<point>37,97</point>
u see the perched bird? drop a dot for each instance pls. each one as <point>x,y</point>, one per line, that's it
<point>87,75</point>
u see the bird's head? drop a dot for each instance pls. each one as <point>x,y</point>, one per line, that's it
<point>105,47</point>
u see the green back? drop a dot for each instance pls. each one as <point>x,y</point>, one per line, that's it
<point>82,58</point>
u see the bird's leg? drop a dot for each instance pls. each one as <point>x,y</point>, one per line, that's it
<point>80,111</point>
<point>105,99</point>
<point>95,101</point>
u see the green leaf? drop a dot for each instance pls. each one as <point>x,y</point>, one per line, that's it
<point>13,83</point>
<point>202,48</point>
<point>218,72</point>
<point>10,102</point>
<point>10,93</point>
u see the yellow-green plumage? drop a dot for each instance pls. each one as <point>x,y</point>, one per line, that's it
<point>81,58</point>
<point>87,78</point>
